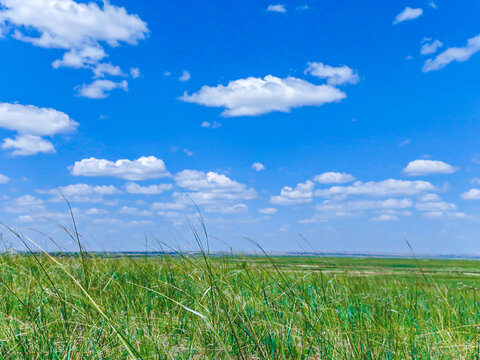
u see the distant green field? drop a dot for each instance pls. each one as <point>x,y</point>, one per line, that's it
<point>235,307</point>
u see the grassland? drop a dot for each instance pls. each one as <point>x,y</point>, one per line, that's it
<point>237,307</point>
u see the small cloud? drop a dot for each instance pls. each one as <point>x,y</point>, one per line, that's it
<point>408,57</point>
<point>167,73</point>
<point>472,194</point>
<point>408,14</point>
<point>303,7</point>
<point>188,152</point>
<point>99,88</point>
<point>185,76</point>
<point>267,211</point>
<point>134,72</point>
<point>258,166</point>
<point>432,5</point>
<point>335,75</point>
<point>213,125</point>
<point>334,178</point>
<point>427,167</point>
<point>279,8</point>
<point>430,47</point>
<point>404,142</point>
<point>4,179</point>
<point>475,181</point>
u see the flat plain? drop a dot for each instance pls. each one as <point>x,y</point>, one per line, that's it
<point>237,307</point>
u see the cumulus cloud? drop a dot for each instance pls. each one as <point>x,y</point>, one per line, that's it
<point>408,14</point>
<point>280,8</point>
<point>211,188</point>
<point>134,188</point>
<point>258,166</point>
<point>143,168</point>
<point>33,120</point>
<point>80,29</point>
<point>334,75</point>
<point>267,211</point>
<point>24,145</point>
<point>452,54</point>
<point>4,179</point>
<point>427,167</point>
<point>430,47</point>
<point>255,96</point>
<point>99,88</point>
<point>390,187</point>
<point>301,194</point>
<point>334,178</point>
<point>32,123</point>
<point>472,194</point>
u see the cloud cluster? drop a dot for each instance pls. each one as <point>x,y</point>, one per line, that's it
<point>81,29</point>
<point>429,47</point>
<point>301,194</point>
<point>211,188</point>
<point>143,168</point>
<point>32,124</point>
<point>452,54</point>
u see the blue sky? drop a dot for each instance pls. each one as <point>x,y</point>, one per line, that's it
<point>353,124</point>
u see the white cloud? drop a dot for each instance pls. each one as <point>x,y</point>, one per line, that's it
<point>390,187</point>
<point>258,166</point>
<point>267,211</point>
<point>185,76</point>
<point>385,217</point>
<point>435,206</point>
<point>99,88</point>
<point>334,178</point>
<point>212,125</point>
<point>429,198</point>
<point>168,206</point>
<point>255,96</point>
<point>78,28</point>
<point>188,152</point>
<point>280,8</point>
<point>430,47</point>
<point>4,179</point>
<point>301,194</point>
<point>143,168</point>
<point>24,145</point>
<point>472,194</point>
<point>25,203</point>
<point>459,54</point>
<point>427,167</point>
<point>334,75</point>
<point>31,123</point>
<point>95,211</point>
<point>432,5</point>
<point>335,206</point>
<point>134,211</point>
<point>227,209</point>
<point>133,188</point>
<point>408,14</point>
<point>33,120</point>
<point>135,72</point>
<point>475,181</point>
<point>303,7</point>
<point>211,188</point>
<point>82,190</point>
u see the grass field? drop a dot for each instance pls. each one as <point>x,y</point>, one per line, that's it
<point>235,307</point>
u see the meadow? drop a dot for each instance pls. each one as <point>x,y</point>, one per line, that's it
<point>183,306</point>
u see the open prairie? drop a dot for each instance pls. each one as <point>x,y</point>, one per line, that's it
<point>237,307</point>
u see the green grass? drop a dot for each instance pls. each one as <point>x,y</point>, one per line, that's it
<point>235,307</point>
